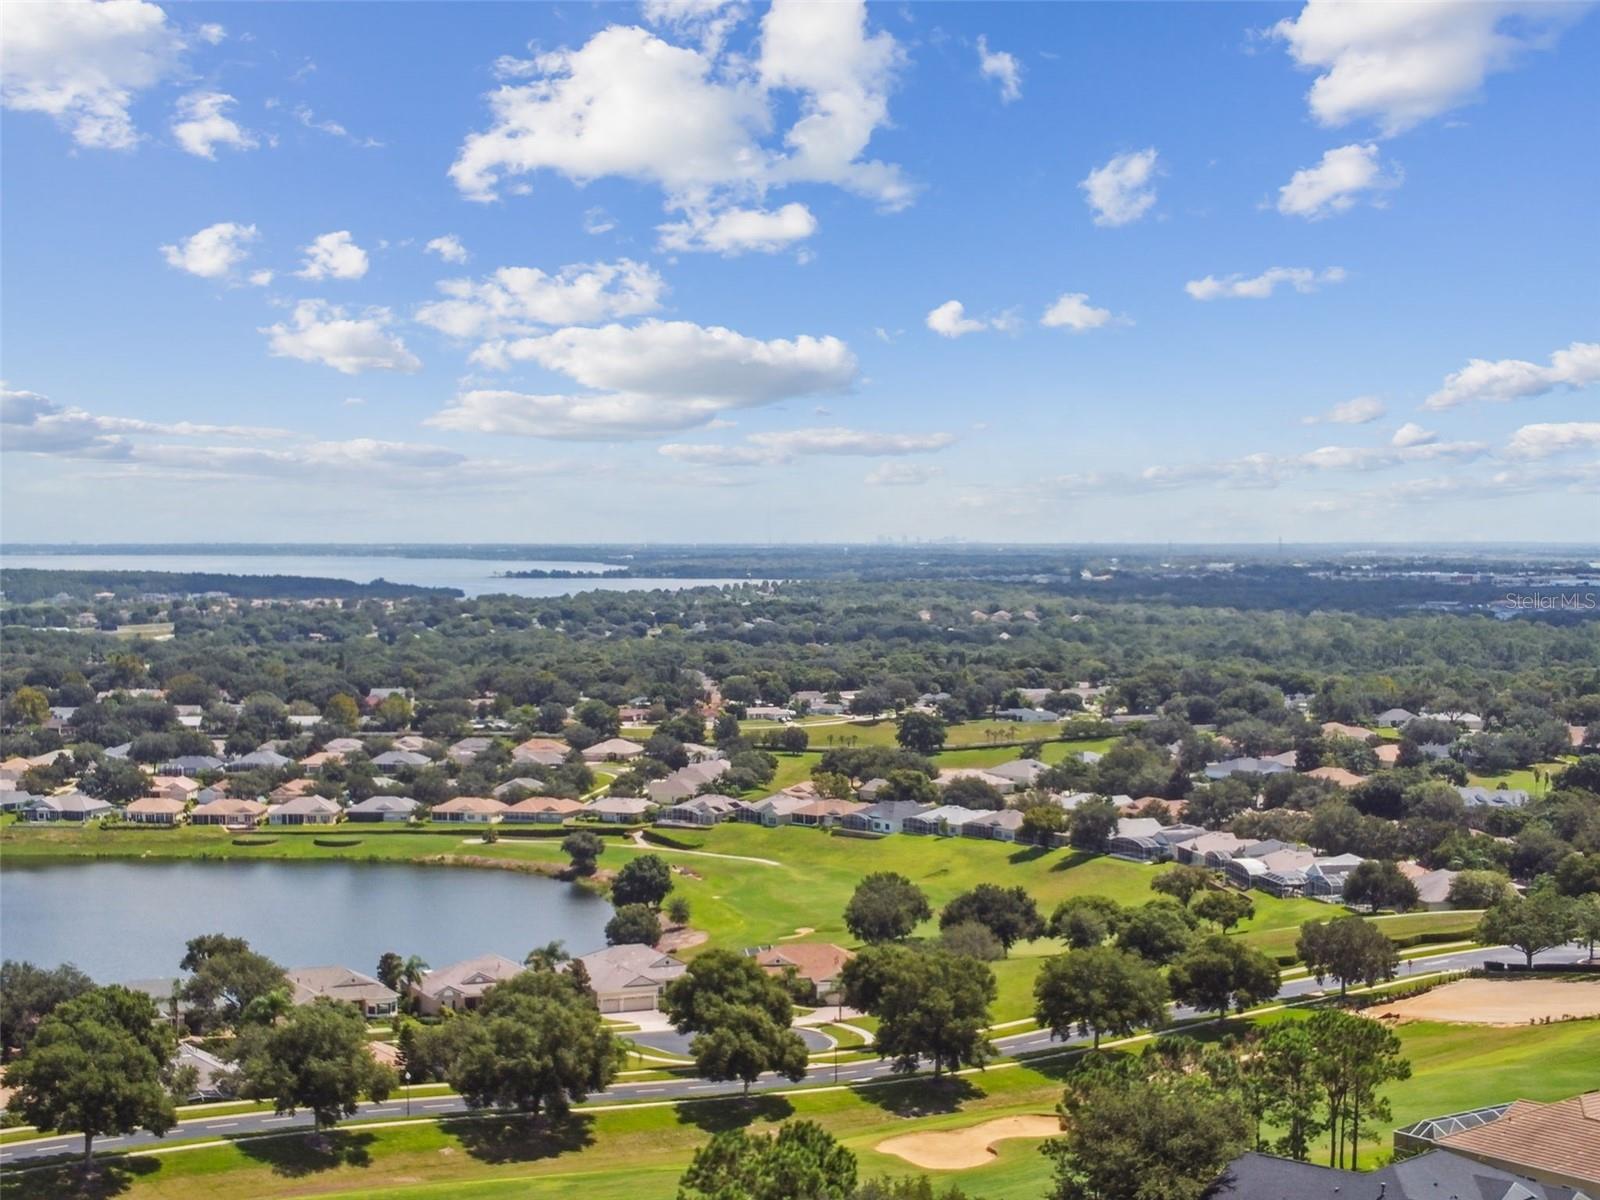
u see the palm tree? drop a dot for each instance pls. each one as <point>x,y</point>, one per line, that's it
<point>547,957</point>
<point>411,973</point>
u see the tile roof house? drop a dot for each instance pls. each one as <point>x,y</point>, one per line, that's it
<point>524,783</point>
<point>343,745</point>
<point>306,810</point>
<point>1556,1143</point>
<point>473,810</point>
<point>372,998</point>
<point>1001,783</point>
<point>1340,729</point>
<point>174,787</point>
<point>1394,718</point>
<point>1001,826</point>
<point>1337,775</point>
<point>1439,1175</point>
<point>401,758</point>
<point>156,810</point>
<point>824,812</point>
<point>1209,849</point>
<point>260,760</point>
<point>228,811</point>
<point>545,752</point>
<point>700,810</point>
<point>191,764</point>
<point>621,810</point>
<point>818,963</point>
<point>1021,771</point>
<point>382,808</point>
<point>612,750</point>
<point>889,816</point>
<point>944,821</point>
<point>686,781</point>
<point>73,807</point>
<point>780,807</point>
<point>468,748</point>
<point>543,810</point>
<point>629,978</point>
<point>460,986</point>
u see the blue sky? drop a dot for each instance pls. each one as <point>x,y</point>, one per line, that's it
<point>696,271</point>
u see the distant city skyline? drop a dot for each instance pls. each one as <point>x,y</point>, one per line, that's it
<point>687,271</point>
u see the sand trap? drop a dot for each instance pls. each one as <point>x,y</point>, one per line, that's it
<point>962,1149</point>
<point>800,931</point>
<point>1497,1002</point>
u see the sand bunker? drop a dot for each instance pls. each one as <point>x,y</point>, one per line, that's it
<point>962,1149</point>
<point>1497,1002</point>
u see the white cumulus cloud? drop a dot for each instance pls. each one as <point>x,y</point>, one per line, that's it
<point>214,252</point>
<point>731,231</point>
<point>1358,411</point>
<point>1001,67</point>
<point>1122,190</point>
<point>650,378</point>
<point>1073,311</point>
<point>1545,440</point>
<point>448,247</point>
<point>513,299</point>
<point>201,125</point>
<point>334,256</point>
<point>83,64</point>
<point>1412,434</point>
<point>1506,379</point>
<point>1402,63</point>
<point>950,320</point>
<point>1259,287</point>
<point>1335,183</point>
<point>320,332</point>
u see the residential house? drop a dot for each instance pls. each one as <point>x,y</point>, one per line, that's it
<point>343,745</point>
<point>156,810</point>
<point>401,758</point>
<point>544,752</point>
<point>1028,716</point>
<point>1556,1143</point>
<point>700,810</point>
<point>1021,771</point>
<point>869,790</point>
<point>72,808</point>
<point>468,748</point>
<point>1469,721</point>
<point>413,741</point>
<point>305,810</point>
<point>768,712</point>
<point>1340,729</point>
<point>228,811</point>
<point>543,810</point>
<point>191,764</point>
<point>621,810</point>
<point>470,810</point>
<point>1001,826</point>
<point>1433,887</point>
<point>825,812</point>
<point>378,695</point>
<point>1387,753</point>
<point>174,787</point>
<point>522,783</point>
<point>612,750</point>
<point>264,759</point>
<point>1395,718</point>
<point>1001,783</point>
<point>819,963</point>
<point>698,753</point>
<point>1248,766</point>
<point>885,817</point>
<point>1502,797</point>
<point>1252,870</point>
<point>371,999</point>
<point>686,781</point>
<point>1210,849</point>
<point>1326,877</point>
<point>780,807</point>
<point>945,821</point>
<point>460,986</point>
<point>397,809</point>
<point>213,1079</point>
<point>292,789</point>
<point>1436,1175</point>
<point>629,978</point>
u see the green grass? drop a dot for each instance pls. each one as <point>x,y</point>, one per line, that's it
<point>1278,937</point>
<point>637,1152</point>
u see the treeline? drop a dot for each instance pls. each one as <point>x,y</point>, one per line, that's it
<point>31,585</point>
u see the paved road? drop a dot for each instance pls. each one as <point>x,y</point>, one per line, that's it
<point>674,1089</point>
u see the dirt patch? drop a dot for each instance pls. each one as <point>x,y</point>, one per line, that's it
<point>685,872</point>
<point>682,938</point>
<point>800,931</point>
<point>963,1149</point>
<point>1497,1002</point>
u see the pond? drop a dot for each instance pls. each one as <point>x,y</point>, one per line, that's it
<point>121,921</point>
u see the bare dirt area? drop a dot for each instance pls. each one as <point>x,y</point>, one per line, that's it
<point>963,1149</point>
<point>1497,1002</point>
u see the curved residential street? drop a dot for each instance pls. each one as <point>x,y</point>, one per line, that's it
<point>396,1109</point>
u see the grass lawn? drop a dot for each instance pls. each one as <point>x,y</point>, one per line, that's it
<point>636,1153</point>
<point>1534,780</point>
<point>1279,938</point>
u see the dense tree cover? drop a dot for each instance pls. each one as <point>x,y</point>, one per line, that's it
<point>99,1064</point>
<point>633,924</point>
<point>1097,991</point>
<point>1008,913</point>
<point>1218,971</point>
<point>930,1004</point>
<point>1541,920</point>
<point>313,1056</point>
<point>643,880</point>
<point>29,994</point>
<point>885,907</point>
<point>803,1161</point>
<point>1349,949</point>
<point>226,978</point>
<point>740,1015</point>
<point>536,1044</point>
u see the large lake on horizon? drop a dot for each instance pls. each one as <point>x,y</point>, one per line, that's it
<point>474,576</point>
<point>122,921</point>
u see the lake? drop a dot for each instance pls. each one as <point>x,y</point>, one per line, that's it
<point>121,921</point>
<point>474,576</point>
